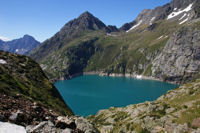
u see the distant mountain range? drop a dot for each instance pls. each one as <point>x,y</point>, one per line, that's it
<point>140,47</point>
<point>20,46</point>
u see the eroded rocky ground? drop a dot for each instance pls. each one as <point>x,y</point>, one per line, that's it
<point>32,117</point>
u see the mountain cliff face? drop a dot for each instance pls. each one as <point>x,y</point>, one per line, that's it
<point>30,100</point>
<point>180,59</point>
<point>133,49</point>
<point>20,46</point>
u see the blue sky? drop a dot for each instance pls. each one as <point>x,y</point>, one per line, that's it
<point>43,18</point>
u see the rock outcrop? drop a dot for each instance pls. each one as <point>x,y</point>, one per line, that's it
<point>179,61</point>
<point>63,125</point>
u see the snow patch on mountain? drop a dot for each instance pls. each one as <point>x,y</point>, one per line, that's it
<point>185,20</point>
<point>174,14</point>
<point>152,19</point>
<point>183,16</point>
<point>135,26</point>
<point>2,61</point>
<point>3,38</point>
<point>162,37</point>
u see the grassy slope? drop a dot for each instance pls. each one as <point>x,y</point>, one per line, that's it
<point>129,49</point>
<point>177,108</point>
<point>21,75</point>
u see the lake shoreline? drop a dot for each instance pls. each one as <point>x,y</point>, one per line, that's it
<point>126,75</point>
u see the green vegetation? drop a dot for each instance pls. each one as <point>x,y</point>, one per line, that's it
<point>21,75</point>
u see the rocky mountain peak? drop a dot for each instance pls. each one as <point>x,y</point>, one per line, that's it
<point>86,14</point>
<point>180,11</point>
<point>26,36</point>
<point>73,29</point>
<point>85,21</point>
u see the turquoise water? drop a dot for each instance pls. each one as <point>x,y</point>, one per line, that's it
<point>87,94</point>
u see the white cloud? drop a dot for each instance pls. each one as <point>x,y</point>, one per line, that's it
<point>4,38</point>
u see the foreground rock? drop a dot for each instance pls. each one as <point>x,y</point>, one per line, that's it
<point>22,111</point>
<point>37,118</point>
<point>6,127</point>
<point>63,125</point>
<point>177,111</point>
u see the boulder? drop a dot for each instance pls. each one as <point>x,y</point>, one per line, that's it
<point>43,127</point>
<point>17,117</point>
<point>84,125</point>
<point>6,127</point>
<point>65,122</point>
<point>196,123</point>
<point>2,118</point>
<point>67,130</point>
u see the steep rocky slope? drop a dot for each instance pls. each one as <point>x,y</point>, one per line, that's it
<point>176,10</point>
<point>21,75</point>
<point>176,111</point>
<point>20,46</point>
<point>180,58</point>
<point>30,100</point>
<point>86,44</point>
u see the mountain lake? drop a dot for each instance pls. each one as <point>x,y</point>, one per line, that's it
<point>88,94</point>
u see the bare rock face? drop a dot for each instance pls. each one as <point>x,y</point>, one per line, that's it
<point>196,123</point>
<point>63,124</point>
<point>180,59</point>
